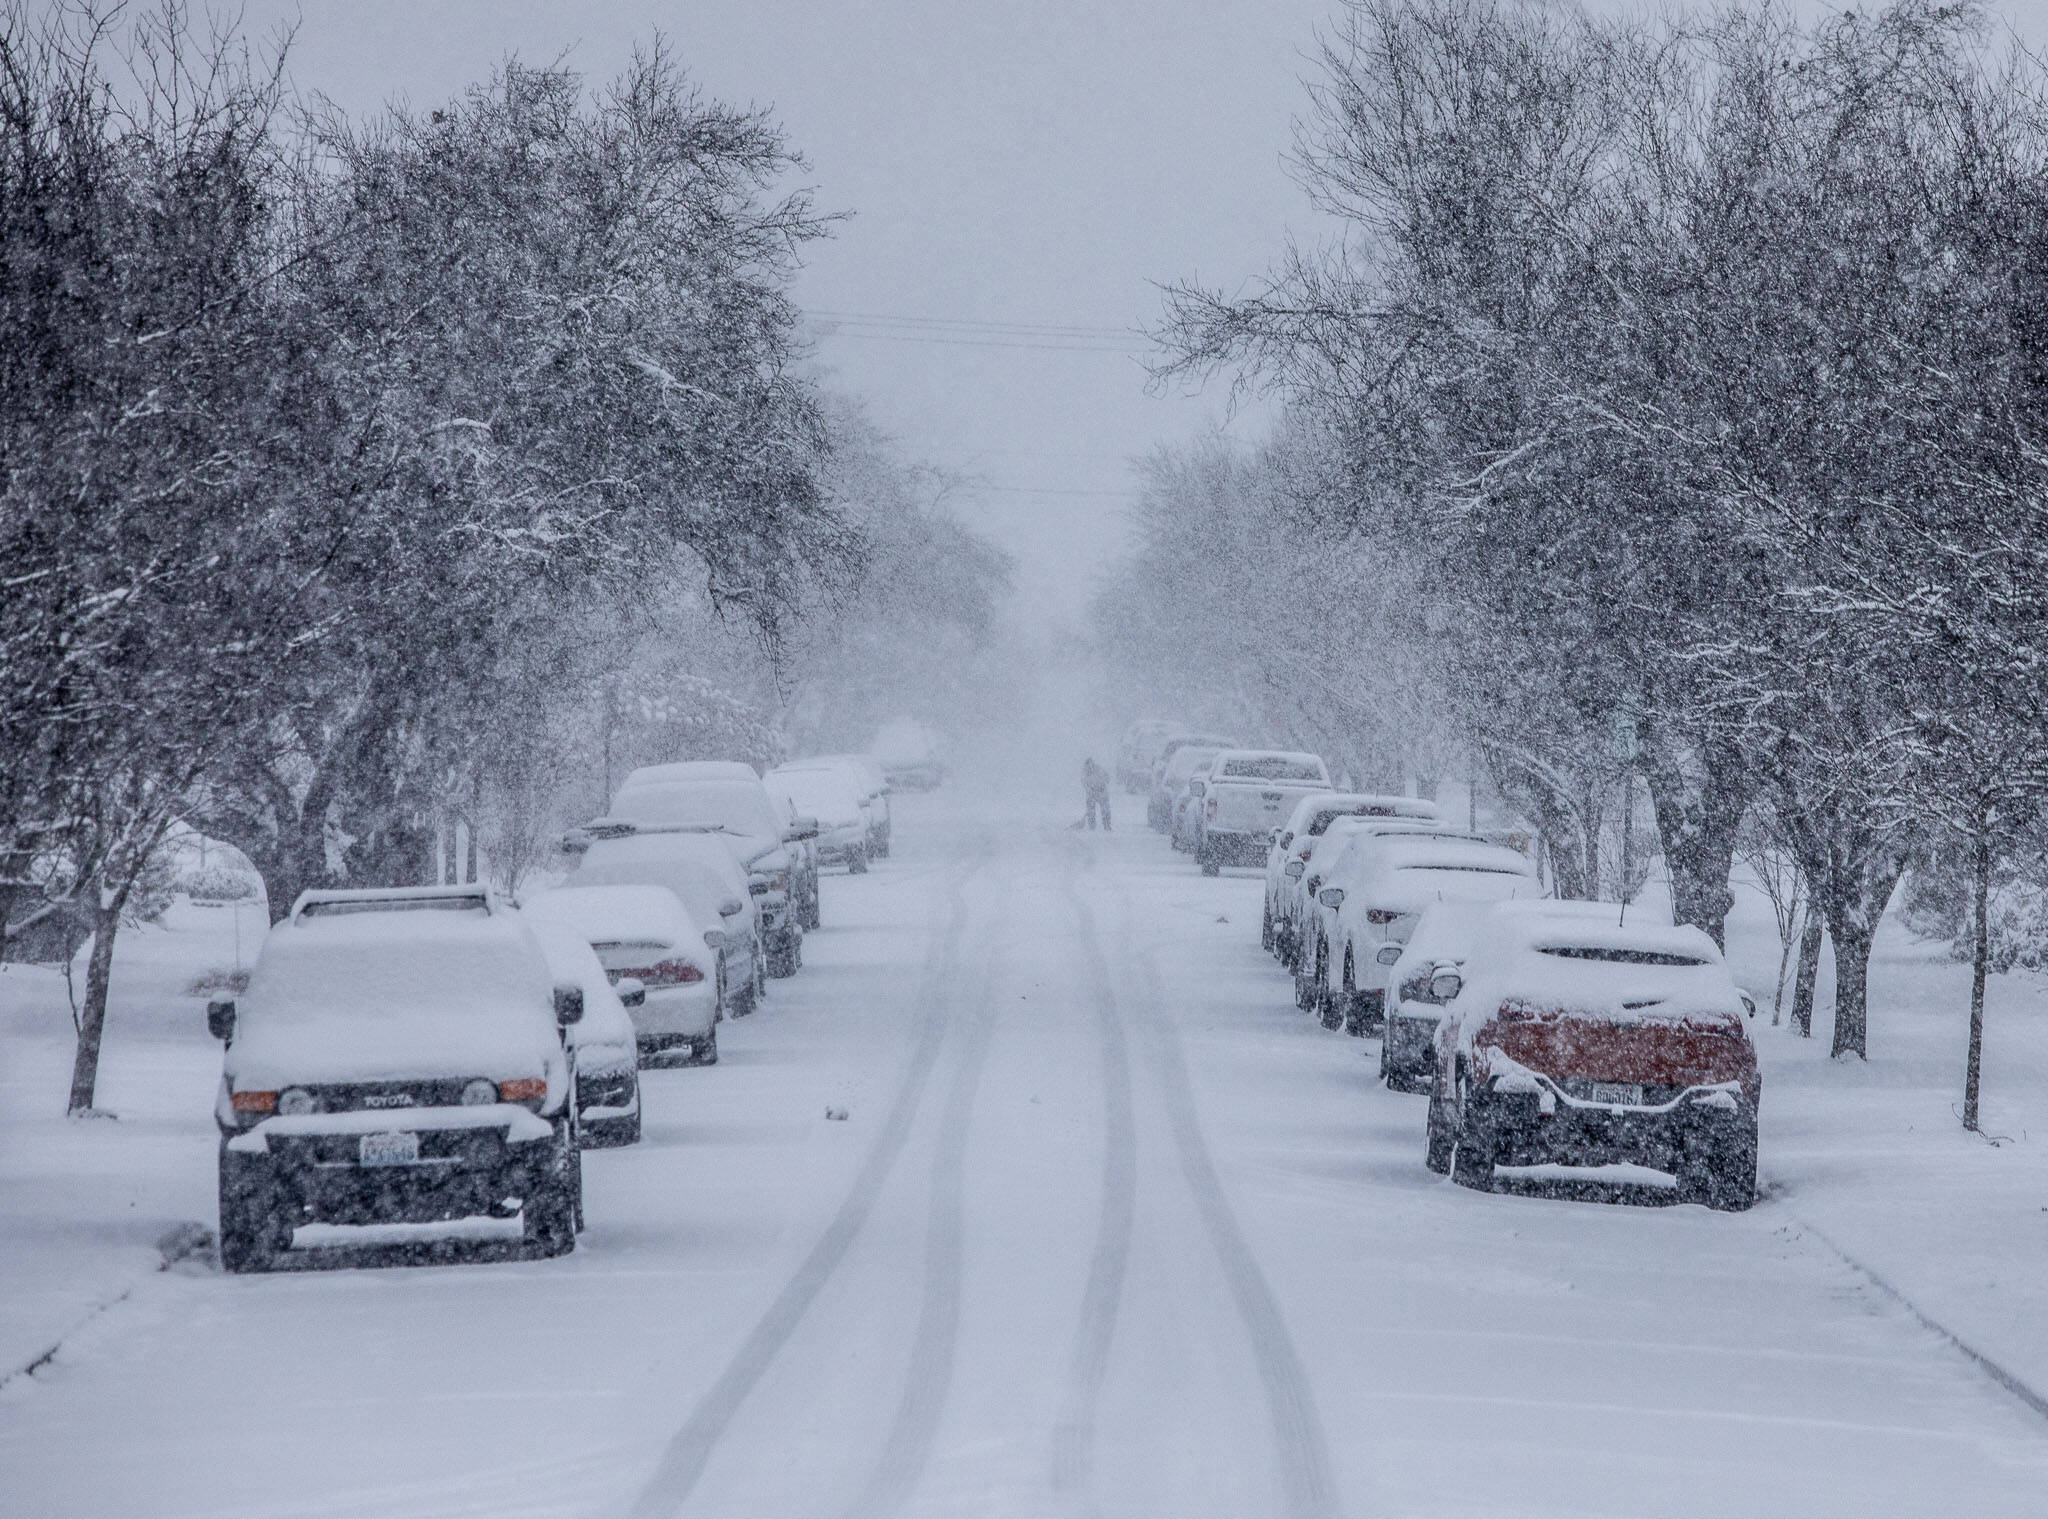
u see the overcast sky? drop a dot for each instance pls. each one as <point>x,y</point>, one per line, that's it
<point>1012,168</point>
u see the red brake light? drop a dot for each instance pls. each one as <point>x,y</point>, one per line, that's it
<point>1212,809</point>
<point>1380,915</point>
<point>667,973</point>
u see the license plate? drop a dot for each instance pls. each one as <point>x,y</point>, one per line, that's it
<point>1625,1093</point>
<point>388,1149</point>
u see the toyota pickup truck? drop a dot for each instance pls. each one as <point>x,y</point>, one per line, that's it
<point>1248,793</point>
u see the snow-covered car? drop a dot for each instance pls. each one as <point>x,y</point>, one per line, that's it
<point>829,797</point>
<point>720,800</point>
<point>1574,1042</point>
<point>700,870</point>
<point>644,934</point>
<point>1373,900</point>
<point>1444,938</point>
<point>869,781</point>
<point>1140,746</point>
<point>1332,852</point>
<point>601,1042</point>
<point>1185,811</point>
<point>1287,855</point>
<point>1170,774</point>
<point>1247,794</point>
<point>399,1056</point>
<point>908,753</point>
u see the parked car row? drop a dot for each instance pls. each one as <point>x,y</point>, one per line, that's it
<point>1546,1034</point>
<point>427,1054</point>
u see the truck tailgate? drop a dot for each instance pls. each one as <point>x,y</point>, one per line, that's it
<point>1255,806</point>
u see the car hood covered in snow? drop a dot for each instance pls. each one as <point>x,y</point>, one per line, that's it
<point>394,997</point>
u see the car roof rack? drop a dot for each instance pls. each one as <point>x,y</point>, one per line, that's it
<point>340,902</point>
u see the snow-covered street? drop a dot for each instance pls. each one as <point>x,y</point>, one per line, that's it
<point>1107,1227</point>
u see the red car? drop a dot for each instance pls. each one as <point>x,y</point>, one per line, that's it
<point>1580,1043</point>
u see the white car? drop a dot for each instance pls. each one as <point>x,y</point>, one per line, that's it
<point>644,934</point>
<point>399,1056</point>
<point>829,797</point>
<point>1170,777</point>
<point>602,1041</point>
<point>1446,936</point>
<point>701,871</point>
<point>715,797</point>
<point>868,780</point>
<point>1374,902</point>
<point>1246,795</point>
<point>1330,854</point>
<point>1291,846</point>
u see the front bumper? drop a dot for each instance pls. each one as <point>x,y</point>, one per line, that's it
<point>472,1161</point>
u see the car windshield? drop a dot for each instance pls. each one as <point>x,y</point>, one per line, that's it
<point>736,806</point>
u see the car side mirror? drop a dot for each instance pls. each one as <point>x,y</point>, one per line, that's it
<point>1748,1002</point>
<point>632,991</point>
<point>799,830</point>
<point>1331,896</point>
<point>731,907</point>
<point>1388,954</point>
<point>1197,788</point>
<point>568,1005</point>
<point>714,938</point>
<point>220,1018</point>
<point>575,841</point>
<point>1294,869</point>
<point>1445,985</point>
<point>888,791</point>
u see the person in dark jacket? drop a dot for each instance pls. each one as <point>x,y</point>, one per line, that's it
<point>1095,781</point>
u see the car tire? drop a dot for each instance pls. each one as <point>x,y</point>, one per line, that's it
<point>787,956</point>
<point>1472,1159</point>
<point>548,1220</point>
<point>1721,1176</point>
<point>1324,1001</point>
<point>1206,858</point>
<point>252,1235</point>
<point>1266,929</point>
<point>858,864</point>
<point>705,1051</point>
<point>1351,1002</point>
<point>1438,1143</point>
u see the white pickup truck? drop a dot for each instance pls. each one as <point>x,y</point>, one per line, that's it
<point>1248,794</point>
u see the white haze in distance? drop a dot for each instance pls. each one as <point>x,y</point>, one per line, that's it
<point>1021,165</point>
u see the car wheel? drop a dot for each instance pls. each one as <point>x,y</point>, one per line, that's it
<point>1304,991</point>
<point>705,1050</point>
<point>1266,929</point>
<point>1472,1160</point>
<point>1438,1145</point>
<point>549,1218</point>
<point>786,956</point>
<point>1351,1002</point>
<point>252,1234</point>
<point>1721,1176</point>
<point>1386,1074</point>
<point>1329,1012</point>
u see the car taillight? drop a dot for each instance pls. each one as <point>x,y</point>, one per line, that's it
<point>1210,810</point>
<point>1380,915</point>
<point>255,1102</point>
<point>523,1089</point>
<point>667,973</point>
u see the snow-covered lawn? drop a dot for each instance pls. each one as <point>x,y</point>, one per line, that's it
<point>1107,1227</point>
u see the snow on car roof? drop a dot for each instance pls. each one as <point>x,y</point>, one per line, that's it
<point>1448,928</point>
<point>1325,807</point>
<point>1647,973</point>
<point>1187,759</point>
<point>1437,850</point>
<point>641,914</point>
<point>698,867</point>
<point>690,770</point>
<point>827,795</point>
<point>1344,831</point>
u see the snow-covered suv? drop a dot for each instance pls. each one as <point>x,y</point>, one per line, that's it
<point>1588,1043</point>
<point>399,1056</point>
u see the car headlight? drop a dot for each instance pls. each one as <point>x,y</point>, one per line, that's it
<point>479,1093</point>
<point>295,1100</point>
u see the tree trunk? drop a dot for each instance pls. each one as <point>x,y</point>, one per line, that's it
<point>92,1022</point>
<point>1980,963</point>
<point>1700,794</point>
<point>1852,987</point>
<point>1809,971</point>
<point>1785,943</point>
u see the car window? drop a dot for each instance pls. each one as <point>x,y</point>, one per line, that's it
<point>1617,956</point>
<point>1273,767</point>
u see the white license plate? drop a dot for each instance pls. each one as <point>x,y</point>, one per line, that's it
<point>388,1149</point>
<point>1623,1092</point>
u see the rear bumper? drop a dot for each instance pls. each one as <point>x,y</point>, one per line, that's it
<point>1411,1046</point>
<point>689,1010</point>
<point>1228,848</point>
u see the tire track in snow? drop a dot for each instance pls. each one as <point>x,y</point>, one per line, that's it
<point>1307,1488</point>
<point>689,1451</point>
<point>935,1344</point>
<point>1073,1435</point>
